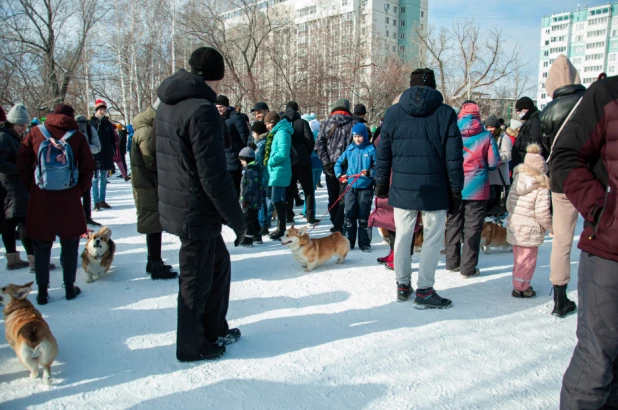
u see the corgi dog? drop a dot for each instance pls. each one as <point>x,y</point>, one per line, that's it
<point>98,255</point>
<point>313,252</point>
<point>494,236</point>
<point>27,332</point>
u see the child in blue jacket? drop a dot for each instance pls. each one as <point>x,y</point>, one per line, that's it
<point>251,196</point>
<point>358,158</point>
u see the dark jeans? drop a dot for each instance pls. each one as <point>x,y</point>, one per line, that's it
<point>10,240</point>
<point>68,256</point>
<point>87,203</point>
<point>357,210</point>
<point>153,244</point>
<point>391,241</point>
<point>253,225</point>
<point>236,178</point>
<point>468,219</point>
<point>591,380</point>
<point>337,212</point>
<point>305,177</point>
<point>204,295</point>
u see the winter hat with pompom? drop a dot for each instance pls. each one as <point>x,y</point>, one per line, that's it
<point>534,159</point>
<point>100,104</point>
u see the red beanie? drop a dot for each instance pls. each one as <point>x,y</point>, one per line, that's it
<point>2,115</point>
<point>470,109</point>
<point>99,103</point>
<point>64,109</point>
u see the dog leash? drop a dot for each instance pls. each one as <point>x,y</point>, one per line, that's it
<point>356,177</point>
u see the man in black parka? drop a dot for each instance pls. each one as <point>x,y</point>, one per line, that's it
<point>303,143</point>
<point>239,132</point>
<point>195,195</point>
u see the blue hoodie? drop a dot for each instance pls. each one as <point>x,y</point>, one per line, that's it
<point>355,159</point>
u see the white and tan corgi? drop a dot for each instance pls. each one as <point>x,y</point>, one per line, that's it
<point>27,332</point>
<point>98,255</point>
<point>494,236</point>
<point>313,252</point>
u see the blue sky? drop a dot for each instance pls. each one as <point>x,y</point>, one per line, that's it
<point>519,20</point>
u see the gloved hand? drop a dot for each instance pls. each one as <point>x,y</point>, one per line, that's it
<point>240,235</point>
<point>454,202</point>
<point>382,191</point>
<point>329,169</point>
<point>343,179</point>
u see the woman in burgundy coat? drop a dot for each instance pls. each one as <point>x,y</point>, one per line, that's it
<point>56,213</point>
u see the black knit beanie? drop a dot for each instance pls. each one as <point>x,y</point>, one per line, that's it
<point>259,127</point>
<point>360,109</point>
<point>524,103</point>
<point>423,77</point>
<point>207,63</point>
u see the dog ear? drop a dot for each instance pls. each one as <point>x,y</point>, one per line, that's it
<point>107,234</point>
<point>302,231</point>
<point>23,292</point>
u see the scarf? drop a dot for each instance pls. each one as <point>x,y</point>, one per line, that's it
<point>269,143</point>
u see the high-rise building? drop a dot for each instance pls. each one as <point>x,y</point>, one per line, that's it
<point>588,36</point>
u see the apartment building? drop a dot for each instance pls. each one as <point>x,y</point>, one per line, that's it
<point>588,36</point>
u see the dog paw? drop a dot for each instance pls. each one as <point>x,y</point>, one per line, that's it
<point>34,375</point>
<point>340,261</point>
<point>307,270</point>
<point>48,381</point>
<point>89,280</point>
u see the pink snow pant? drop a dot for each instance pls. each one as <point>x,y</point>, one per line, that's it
<point>525,264</point>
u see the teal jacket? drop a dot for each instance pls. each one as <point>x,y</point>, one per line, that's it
<point>279,164</point>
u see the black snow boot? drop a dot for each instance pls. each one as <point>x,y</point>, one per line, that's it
<point>149,265</point>
<point>42,297</point>
<point>160,271</point>
<point>562,305</point>
<point>429,299</point>
<point>281,212</point>
<point>71,291</point>
<point>403,292</point>
<point>247,242</point>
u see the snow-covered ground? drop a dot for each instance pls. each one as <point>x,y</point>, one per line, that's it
<point>332,338</point>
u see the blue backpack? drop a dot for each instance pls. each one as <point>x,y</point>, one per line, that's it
<point>55,170</point>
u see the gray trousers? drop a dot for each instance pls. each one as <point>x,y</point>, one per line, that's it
<point>433,235</point>
<point>591,380</point>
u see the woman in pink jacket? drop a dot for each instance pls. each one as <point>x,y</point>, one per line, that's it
<point>529,218</point>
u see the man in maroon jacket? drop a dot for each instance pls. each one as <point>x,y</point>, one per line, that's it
<point>56,213</point>
<point>585,163</point>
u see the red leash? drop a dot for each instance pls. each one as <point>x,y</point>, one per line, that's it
<point>356,177</point>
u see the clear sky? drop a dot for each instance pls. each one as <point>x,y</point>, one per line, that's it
<point>520,20</point>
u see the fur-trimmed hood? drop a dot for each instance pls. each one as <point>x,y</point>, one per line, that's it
<point>526,179</point>
<point>260,137</point>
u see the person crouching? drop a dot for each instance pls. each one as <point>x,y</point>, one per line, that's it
<point>358,158</point>
<point>529,218</point>
<point>251,196</point>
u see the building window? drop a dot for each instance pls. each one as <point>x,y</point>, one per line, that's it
<point>577,60</point>
<point>545,53</point>
<point>545,75</point>
<point>546,42</point>
<point>394,49</point>
<point>402,23</point>
<point>579,26</point>
<point>395,9</point>
<point>545,63</point>
<point>387,6</point>
<point>597,33</point>
<point>401,48</point>
<point>589,80</point>
<point>388,34</point>
<point>344,3</point>
<point>402,10</point>
<point>423,27</point>
<point>592,57</point>
<point>612,57</point>
<point>543,96</point>
<point>579,49</point>
<point>395,22</point>
<point>598,44</point>
<point>611,69</point>
<point>422,13</point>
<point>579,38</point>
<point>388,20</point>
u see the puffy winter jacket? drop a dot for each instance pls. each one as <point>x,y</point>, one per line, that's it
<point>251,186</point>
<point>144,174</point>
<point>195,191</point>
<point>528,205</point>
<point>422,146</point>
<point>107,137</point>
<point>585,164</point>
<point>334,137</point>
<point>302,137</point>
<point>239,133</point>
<point>480,154</point>
<point>16,201</point>
<point>279,164</point>
<point>356,159</point>
<point>554,115</point>
<point>260,142</point>
<point>530,133</point>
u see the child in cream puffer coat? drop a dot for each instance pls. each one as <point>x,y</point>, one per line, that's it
<point>529,218</point>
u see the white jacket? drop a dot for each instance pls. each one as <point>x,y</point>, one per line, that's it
<point>528,205</point>
<point>505,147</point>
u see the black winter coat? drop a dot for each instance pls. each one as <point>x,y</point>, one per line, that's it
<point>239,133</point>
<point>16,201</point>
<point>530,133</point>
<point>302,139</point>
<point>332,143</point>
<point>107,135</point>
<point>421,145</point>
<point>195,191</point>
<point>554,115</point>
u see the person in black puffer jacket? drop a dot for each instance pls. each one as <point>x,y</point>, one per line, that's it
<point>239,132</point>
<point>360,112</point>
<point>195,195</point>
<point>334,137</point>
<point>563,84</point>
<point>303,143</point>
<point>421,147</point>
<point>104,158</point>
<point>530,132</point>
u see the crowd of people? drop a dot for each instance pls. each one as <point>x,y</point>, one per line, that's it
<point>198,163</point>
